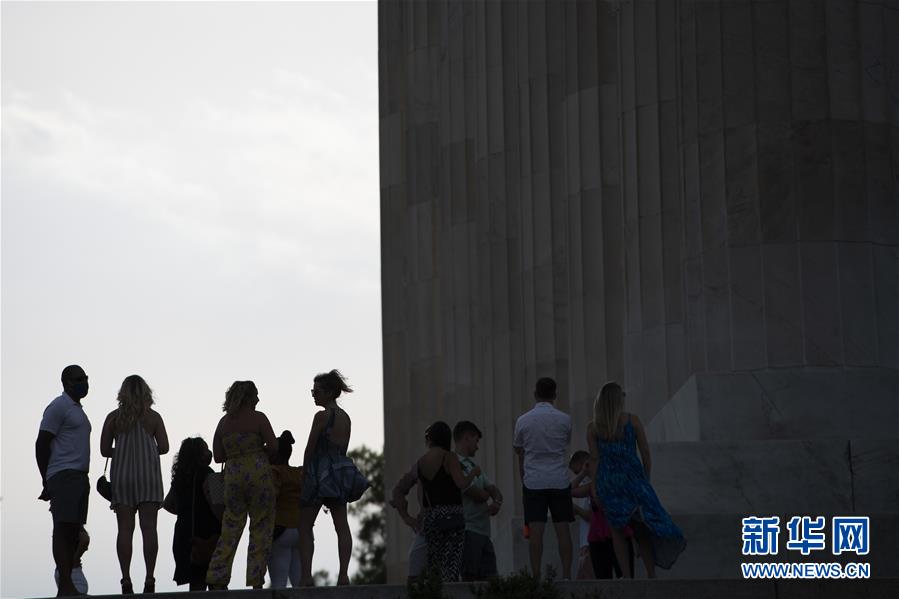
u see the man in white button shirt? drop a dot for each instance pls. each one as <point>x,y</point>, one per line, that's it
<point>541,441</point>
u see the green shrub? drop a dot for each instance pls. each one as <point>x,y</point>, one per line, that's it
<point>519,586</point>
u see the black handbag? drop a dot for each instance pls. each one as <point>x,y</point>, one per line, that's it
<point>444,522</point>
<point>104,487</point>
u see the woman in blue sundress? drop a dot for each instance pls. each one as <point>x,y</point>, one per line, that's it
<point>622,484</point>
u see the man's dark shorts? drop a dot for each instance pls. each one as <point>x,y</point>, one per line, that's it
<point>69,492</point>
<point>557,501</point>
<point>478,557</point>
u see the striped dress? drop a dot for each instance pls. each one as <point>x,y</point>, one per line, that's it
<point>135,475</point>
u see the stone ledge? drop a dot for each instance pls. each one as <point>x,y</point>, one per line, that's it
<point>885,588</point>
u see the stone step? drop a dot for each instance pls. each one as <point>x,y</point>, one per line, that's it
<point>884,588</point>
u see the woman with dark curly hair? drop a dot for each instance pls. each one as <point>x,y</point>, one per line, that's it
<point>196,518</point>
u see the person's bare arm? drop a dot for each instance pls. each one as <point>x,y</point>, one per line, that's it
<point>643,446</point>
<point>402,488</point>
<point>268,435</point>
<point>581,491</point>
<point>161,435</point>
<point>497,497</point>
<point>452,465</point>
<point>218,450</point>
<point>519,451</point>
<point>476,494</point>
<point>42,455</point>
<point>107,436</point>
<point>582,513</point>
<point>398,497</point>
<point>319,422</point>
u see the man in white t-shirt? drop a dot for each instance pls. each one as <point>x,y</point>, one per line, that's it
<point>541,441</point>
<point>63,452</point>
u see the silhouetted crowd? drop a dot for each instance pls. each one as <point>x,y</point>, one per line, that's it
<point>256,482</point>
<point>606,489</point>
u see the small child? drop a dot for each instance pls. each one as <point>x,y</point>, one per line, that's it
<point>78,579</point>
<point>580,492</point>
<point>596,556</point>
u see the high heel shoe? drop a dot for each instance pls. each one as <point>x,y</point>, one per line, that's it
<point>150,586</point>
<point>127,588</point>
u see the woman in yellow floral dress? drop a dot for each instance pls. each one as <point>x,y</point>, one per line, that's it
<point>244,440</point>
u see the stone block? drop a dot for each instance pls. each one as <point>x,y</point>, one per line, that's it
<point>777,196</point>
<point>738,60</point>
<point>886,263</point>
<point>716,300</point>
<point>875,475</point>
<point>812,178</point>
<point>742,199</point>
<point>843,59</point>
<point>858,304</point>
<point>850,197</point>
<point>772,62</point>
<point>822,322</point>
<point>747,308</point>
<point>652,281</point>
<point>876,65</point>
<point>783,308</point>
<point>646,65</point>
<point>782,403</point>
<point>679,419</point>
<point>753,477</point>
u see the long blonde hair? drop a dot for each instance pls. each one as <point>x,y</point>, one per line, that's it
<point>237,395</point>
<point>135,398</point>
<point>607,409</point>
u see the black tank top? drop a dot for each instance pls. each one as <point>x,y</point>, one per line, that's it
<point>440,490</point>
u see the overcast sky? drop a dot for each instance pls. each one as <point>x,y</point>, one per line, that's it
<point>189,193</point>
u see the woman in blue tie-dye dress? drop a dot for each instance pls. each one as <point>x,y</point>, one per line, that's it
<point>622,483</point>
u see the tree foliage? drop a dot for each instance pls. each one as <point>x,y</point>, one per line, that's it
<point>370,543</point>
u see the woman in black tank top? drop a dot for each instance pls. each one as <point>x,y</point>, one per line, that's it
<point>443,522</point>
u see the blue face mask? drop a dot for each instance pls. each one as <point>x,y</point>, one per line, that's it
<point>79,391</point>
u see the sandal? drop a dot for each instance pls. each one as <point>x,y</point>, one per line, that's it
<point>127,588</point>
<point>150,586</point>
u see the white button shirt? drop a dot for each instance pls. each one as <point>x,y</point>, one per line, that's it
<point>544,433</point>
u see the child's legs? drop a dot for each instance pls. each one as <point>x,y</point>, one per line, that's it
<point>602,554</point>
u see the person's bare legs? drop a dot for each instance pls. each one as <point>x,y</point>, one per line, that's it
<point>535,546</point>
<point>344,542</point>
<point>125,520</point>
<point>307,543</point>
<point>148,513</point>
<point>563,538</point>
<point>619,544</point>
<point>65,542</point>
<point>646,552</point>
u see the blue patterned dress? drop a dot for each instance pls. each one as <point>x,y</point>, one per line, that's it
<point>626,495</point>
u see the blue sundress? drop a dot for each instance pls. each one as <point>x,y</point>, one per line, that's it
<point>626,495</point>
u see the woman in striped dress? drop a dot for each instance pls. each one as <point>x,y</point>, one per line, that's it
<point>134,437</point>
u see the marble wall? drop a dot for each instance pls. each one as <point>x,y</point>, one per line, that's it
<point>646,191</point>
